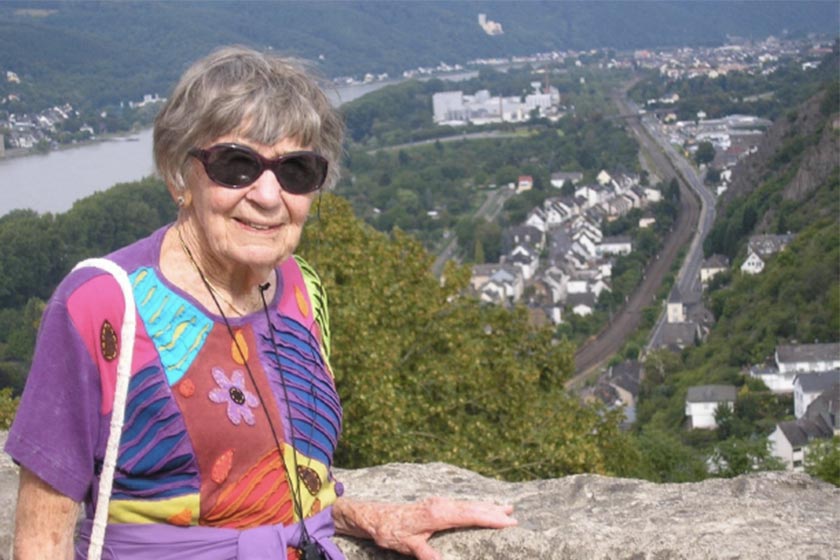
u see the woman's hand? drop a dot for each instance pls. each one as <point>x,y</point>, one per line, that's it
<point>407,528</point>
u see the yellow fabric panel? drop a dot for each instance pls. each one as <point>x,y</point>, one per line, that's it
<point>325,495</point>
<point>182,510</point>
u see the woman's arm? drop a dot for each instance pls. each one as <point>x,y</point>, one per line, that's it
<point>407,528</point>
<point>44,520</point>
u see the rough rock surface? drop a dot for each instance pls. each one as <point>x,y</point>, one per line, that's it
<point>586,517</point>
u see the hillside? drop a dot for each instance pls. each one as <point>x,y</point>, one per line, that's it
<point>100,53</point>
<point>791,185</point>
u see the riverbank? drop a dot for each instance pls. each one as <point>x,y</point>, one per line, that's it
<point>127,136</point>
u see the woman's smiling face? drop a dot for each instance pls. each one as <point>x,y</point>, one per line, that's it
<point>255,226</point>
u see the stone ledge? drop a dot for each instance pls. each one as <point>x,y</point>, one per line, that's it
<point>772,515</point>
<point>769,516</point>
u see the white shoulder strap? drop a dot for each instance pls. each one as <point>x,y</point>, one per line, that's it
<point>129,327</point>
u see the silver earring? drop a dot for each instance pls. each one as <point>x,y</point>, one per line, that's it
<point>180,201</point>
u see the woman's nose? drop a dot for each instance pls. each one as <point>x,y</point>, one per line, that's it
<point>266,190</point>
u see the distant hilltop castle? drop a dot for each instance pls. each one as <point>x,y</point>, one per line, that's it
<point>490,27</point>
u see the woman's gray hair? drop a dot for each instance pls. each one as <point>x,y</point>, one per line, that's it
<point>263,97</point>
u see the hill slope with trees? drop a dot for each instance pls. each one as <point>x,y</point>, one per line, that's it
<point>792,185</point>
<point>101,53</point>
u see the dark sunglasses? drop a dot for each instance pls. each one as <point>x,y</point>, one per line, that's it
<point>235,166</point>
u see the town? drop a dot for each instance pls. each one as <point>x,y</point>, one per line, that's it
<point>558,261</point>
<point>63,124</point>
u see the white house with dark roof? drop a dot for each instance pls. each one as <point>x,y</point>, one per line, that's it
<point>826,408</point>
<point>676,307</point>
<point>556,280</point>
<point>702,401</point>
<point>559,178</point>
<point>808,357</point>
<point>504,286</point>
<point>807,387</point>
<point>713,266</point>
<point>615,245</point>
<point>560,210</point>
<point>790,440</point>
<point>753,264</point>
<point>581,304</point>
<point>525,258</point>
<point>678,336</point>
<point>537,219</point>
<point>760,248</point>
<point>793,359</point>
<point>525,235</point>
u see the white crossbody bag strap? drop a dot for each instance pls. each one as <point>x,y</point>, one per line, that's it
<point>109,465</point>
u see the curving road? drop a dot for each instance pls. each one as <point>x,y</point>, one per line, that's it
<point>597,350</point>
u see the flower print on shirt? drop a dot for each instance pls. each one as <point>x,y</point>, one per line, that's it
<point>232,391</point>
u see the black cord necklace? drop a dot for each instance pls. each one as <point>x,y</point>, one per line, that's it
<point>310,550</point>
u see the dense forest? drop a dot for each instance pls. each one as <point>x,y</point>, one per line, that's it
<point>97,54</point>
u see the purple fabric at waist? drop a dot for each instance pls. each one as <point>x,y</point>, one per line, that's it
<point>128,541</point>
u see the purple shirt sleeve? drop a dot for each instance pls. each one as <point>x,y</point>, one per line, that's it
<point>56,431</point>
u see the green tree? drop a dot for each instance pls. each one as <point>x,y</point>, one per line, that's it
<point>8,407</point>
<point>426,374</point>
<point>667,459</point>
<point>823,460</point>
<point>735,456</point>
<point>568,188</point>
<point>478,256</point>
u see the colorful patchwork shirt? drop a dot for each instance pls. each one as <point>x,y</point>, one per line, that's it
<point>197,446</point>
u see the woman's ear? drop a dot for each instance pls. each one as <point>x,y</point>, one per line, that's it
<point>182,198</point>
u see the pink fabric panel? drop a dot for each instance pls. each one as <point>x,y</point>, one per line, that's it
<point>101,297</point>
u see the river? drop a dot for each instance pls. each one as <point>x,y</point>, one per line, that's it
<point>53,182</point>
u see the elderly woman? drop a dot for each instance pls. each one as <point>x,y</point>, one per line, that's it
<point>228,414</point>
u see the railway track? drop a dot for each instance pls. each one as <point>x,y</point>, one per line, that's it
<point>599,349</point>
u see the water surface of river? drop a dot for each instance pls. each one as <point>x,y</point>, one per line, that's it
<point>53,182</point>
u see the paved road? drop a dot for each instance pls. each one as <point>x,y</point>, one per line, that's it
<point>600,348</point>
<point>688,279</point>
<point>455,138</point>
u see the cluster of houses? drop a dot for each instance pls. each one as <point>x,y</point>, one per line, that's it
<point>559,251</point>
<point>733,137</point>
<point>26,131</point>
<point>752,57</point>
<point>809,372</point>
<point>687,321</point>
<point>454,108</point>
